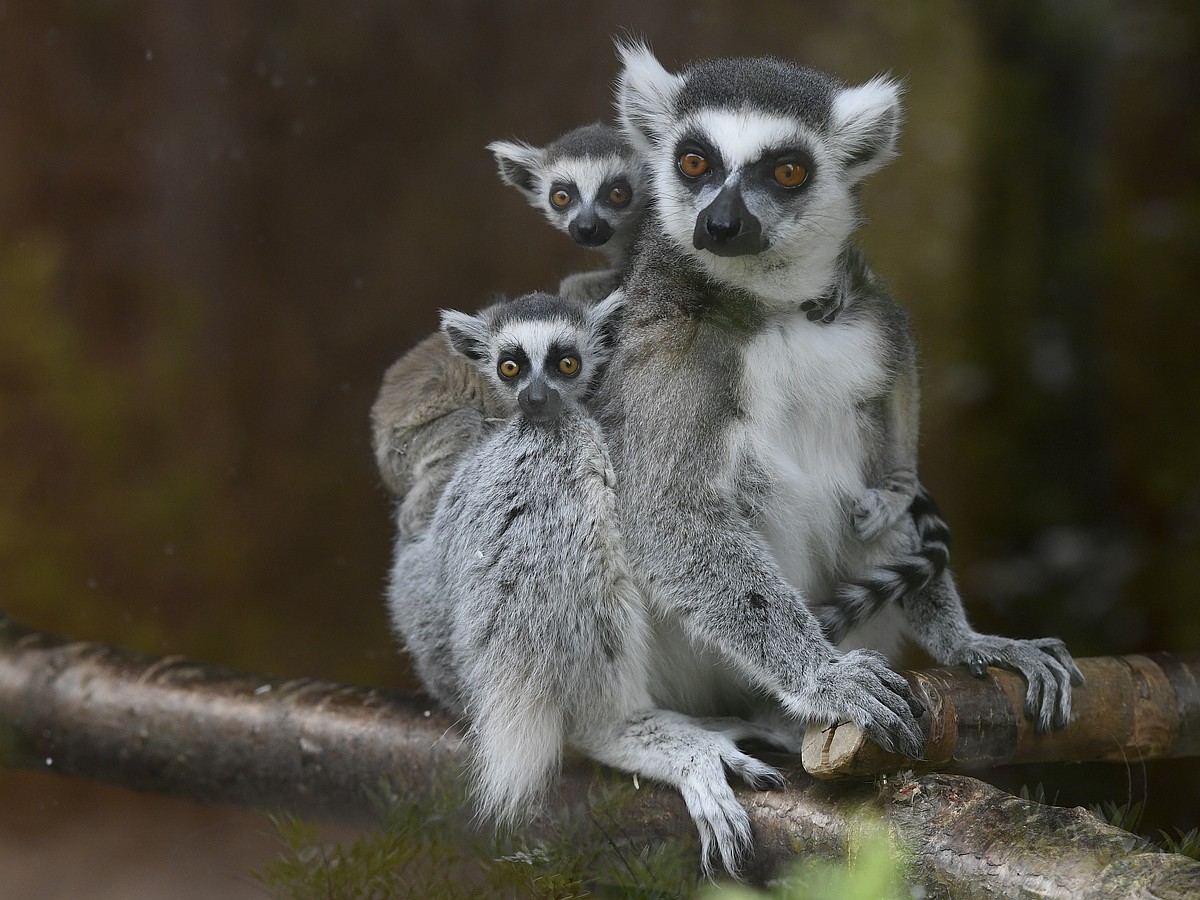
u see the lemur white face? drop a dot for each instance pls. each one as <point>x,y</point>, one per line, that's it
<point>589,198</point>
<point>762,199</point>
<point>534,355</point>
<point>595,197</point>
<point>746,192</point>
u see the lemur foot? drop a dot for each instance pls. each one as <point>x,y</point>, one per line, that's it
<point>877,510</point>
<point>1046,665</point>
<point>775,735</point>
<point>722,822</point>
<point>861,687</point>
<point>824,309</point>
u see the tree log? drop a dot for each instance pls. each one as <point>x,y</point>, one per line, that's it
<point>175,727</point>
<point>1130,708</point>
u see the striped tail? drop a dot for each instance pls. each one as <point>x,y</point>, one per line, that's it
<point>855,602</point>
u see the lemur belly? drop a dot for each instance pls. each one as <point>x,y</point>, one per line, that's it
<point>802,386</point>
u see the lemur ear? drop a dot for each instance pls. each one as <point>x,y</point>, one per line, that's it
<point>605,317</point>
<point>519,163</point>
<point>467,335</point>
<point>866,124</point>
<point>645,93</point>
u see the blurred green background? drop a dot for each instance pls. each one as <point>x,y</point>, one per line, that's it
<point>220,222</point>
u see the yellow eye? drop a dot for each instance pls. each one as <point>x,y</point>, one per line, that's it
<point>569,365</point>
<point>693,165</point>
<point>619,195</point>
<point>791,174</point>
<point>509,368</point>
<point>561,198</point>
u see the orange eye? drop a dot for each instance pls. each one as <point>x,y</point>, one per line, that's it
<point>561,198</point>
<point>509,368</point>
<point>619,195</point>
<point>790,174</point>
<point>693,165</point>
<point>569,365</point>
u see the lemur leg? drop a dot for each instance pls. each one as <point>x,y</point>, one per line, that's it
<point>678,750</point>
<point>937,620</point>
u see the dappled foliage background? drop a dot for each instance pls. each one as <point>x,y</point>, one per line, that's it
<point>220,222</point>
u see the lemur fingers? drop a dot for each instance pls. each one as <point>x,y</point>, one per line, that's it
<point>1045,665</point>
<point>860,687</point>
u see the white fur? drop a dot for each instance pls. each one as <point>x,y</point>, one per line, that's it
<point>867,118</point>
<point>802,384</point>
<point>645,92</point>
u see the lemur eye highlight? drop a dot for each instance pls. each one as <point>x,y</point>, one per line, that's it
<point>561,198</point>
<point>619,195</point>
<point>693,165</point>
<point>569,365</point>
<point>790,174</point>
<point>509,368</point>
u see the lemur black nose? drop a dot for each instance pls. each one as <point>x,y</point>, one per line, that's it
<point>539,402</point>
<point>726,226</point>
<point>590,230</point>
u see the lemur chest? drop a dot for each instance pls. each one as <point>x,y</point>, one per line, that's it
<point>801,438</point>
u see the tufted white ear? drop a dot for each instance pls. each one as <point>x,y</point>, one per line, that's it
<point>467,335</point>
<point>644,96</point>
<point>519,164</point>
<point>866,125</point>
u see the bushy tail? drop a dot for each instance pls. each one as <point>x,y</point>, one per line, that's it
<point>516,755</point>
<point>855,602</point>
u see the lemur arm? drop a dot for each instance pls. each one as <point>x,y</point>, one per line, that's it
<point>698,557</point>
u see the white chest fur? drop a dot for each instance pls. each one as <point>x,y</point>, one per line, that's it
<point>802,389</point>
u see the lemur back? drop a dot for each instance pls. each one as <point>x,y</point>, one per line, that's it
<point>589,184</point>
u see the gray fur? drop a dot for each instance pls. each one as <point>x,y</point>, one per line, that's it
<point>781,368</point>
<point>519,609</point>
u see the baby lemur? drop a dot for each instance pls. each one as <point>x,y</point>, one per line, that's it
<point>517,604</point>
<point>589,184</point>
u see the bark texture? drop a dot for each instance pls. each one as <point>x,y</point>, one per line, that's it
<point>1130,708</point>
<point>176,727</point>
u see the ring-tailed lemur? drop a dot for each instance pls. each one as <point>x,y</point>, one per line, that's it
<point>517,605</point>
<point>761,409</point>
<point>589,184</point>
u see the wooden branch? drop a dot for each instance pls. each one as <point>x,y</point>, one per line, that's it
<point>175,727</point>
<point>1130,708</point>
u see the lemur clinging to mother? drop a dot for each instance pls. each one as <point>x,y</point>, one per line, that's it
<point>517,605</point>
<point>588,183</point>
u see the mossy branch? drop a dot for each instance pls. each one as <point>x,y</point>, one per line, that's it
<point>175,727</point>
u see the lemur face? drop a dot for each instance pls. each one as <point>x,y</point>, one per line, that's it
<point>590,199</point>
<point>541,351</point>
<point>755,163</point>
<point>588,183</point>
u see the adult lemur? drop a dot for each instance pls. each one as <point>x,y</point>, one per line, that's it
<point>761,404</point>
<point>589,184</point>
<point>517,605</point>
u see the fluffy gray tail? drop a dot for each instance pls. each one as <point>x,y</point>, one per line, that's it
<point>855,602</point>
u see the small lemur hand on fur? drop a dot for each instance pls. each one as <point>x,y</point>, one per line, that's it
<point>517,604</point>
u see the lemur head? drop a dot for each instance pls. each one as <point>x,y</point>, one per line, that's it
<point>540,350</point>
<point>588,183</point>
<point>755,163</point>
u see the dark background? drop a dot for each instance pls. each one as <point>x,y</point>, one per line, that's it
<point>220,222</point>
